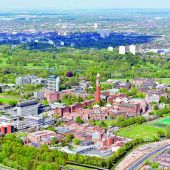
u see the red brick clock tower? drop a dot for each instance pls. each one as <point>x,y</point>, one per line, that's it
<point>98,98</point>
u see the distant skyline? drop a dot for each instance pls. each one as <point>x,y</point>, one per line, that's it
<point>81,4</point>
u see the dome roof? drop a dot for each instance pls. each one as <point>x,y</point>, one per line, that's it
<point>108,105</point>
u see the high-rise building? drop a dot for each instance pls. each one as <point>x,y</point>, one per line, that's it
<point>98,98</point>
<point>110,48</point>
<point>95,25</point>
<point>132,49</point>
<point>122,50</point>
<point>62,43</point>
<point>53,83</point>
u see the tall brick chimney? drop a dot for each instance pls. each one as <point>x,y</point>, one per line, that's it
<point>98,98</point>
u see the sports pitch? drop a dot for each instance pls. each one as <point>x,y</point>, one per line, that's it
<point>162,123</point>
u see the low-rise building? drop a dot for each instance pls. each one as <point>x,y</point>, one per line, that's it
<point>29,80</point>
<point>27,108</point>
<point>6,128</point>
<point>52,96</point>
<point>41,137</point>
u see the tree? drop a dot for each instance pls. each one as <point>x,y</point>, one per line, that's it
<point>167,132</point>
<point>146,162</point>
<point>161,133</point>
<point>69,74</point>
<point>156,107</point>
<point>56,116</point>
<point>92,122</point>
<point>54,141</point>
<point>79,120</point>
<point>103,124</point>
<point>45,115</point>
<point>45,102</point>
<point>162,99</point>
<point>76,141</point>
<point>155,165</point>
<point>51,128</point>
<point>68,138</point>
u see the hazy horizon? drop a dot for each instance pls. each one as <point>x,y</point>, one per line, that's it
<point>81,4</point>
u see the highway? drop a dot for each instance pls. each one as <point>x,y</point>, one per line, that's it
<point>136,165</point>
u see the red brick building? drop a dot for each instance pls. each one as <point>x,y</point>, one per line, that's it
<point>52,96</point>
<point>41,137</point>
<point>6,128</point>
<point>131,109</point>
<point>73,108</point>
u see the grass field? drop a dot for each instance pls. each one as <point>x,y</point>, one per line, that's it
<point>161,123</point>
<point>166,121</point>
<point>139,131</point>
<point>165,80</point>
<point>8,101</point>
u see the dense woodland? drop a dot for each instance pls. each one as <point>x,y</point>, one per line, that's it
<point>16,155</point>
<point>82,63</point>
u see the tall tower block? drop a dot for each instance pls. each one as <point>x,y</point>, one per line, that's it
<point>132,49</point>
<point>98,98</point>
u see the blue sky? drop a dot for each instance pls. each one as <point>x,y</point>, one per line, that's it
<point>82,4</point>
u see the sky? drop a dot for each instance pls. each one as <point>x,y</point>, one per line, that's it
<point>82,4</point>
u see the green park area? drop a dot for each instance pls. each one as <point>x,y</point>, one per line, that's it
<point>161,123</point>
<point>8,101</point>
<point>166,121</point>
<point>165,80</point>
<point>139,131</point>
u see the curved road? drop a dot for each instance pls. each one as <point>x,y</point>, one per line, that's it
<point>136,165</point>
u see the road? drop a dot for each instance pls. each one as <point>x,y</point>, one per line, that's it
<point>136,165</point>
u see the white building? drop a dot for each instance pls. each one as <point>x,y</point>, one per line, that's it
<point>110,48</point>
<point>29,80</point>
<point>122,50</point>
<point>53,83</point>
<point>132,49</point>
<point>62,43</point>
<point>95,25</point>
<point>51,42</point>
<point>23,80</point>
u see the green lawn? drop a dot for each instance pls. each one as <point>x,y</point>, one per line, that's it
<point>166,121</point>
<point>139,131</point>
<point>108,122</point>
<point>161,123</point>
<point>8,101</point>
<point>165,80</point>
<point>4,95</point>
<point>21,134</point>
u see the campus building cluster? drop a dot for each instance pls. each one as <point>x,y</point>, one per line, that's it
<point>32,116</point>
